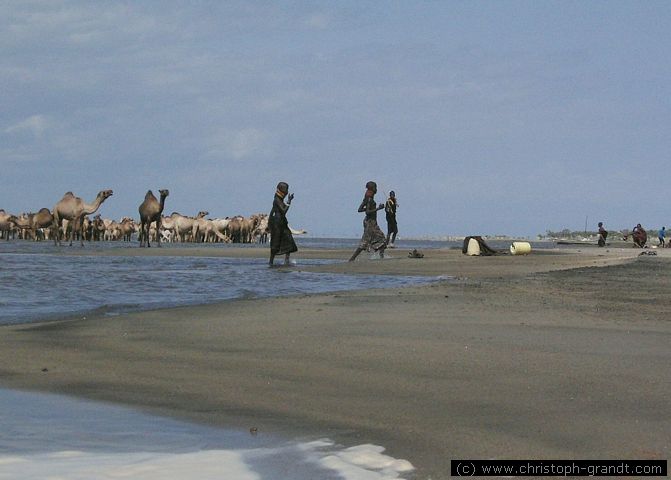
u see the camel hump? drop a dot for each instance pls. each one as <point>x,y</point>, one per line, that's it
<point>68,194</point>
<point>44,210</point>
<point>149,195</point>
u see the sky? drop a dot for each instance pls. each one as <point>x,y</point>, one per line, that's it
<point>485,117</point>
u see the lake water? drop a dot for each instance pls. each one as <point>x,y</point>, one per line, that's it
<point>53,437</point>
<point>41,282</point>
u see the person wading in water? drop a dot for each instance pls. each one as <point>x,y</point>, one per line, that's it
<point>281,240</point>
<point>372,238</point>
<point>392,227</point>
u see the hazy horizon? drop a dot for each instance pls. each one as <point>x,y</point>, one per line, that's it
<point>509,117</point>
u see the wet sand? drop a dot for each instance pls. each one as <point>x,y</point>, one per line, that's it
<point>554,355</point>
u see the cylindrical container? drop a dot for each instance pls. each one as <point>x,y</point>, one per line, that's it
<point>520,248</point>
<point>473,248</point>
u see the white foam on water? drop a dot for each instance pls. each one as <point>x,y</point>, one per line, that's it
<point>363,462</point>
<point>366,462</point>
<point>50,437</point>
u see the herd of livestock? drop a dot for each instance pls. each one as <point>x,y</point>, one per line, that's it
<point>71,218</point>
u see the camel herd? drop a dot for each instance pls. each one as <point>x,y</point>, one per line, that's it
<point>69,219</point>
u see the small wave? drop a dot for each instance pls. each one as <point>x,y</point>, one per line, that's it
<point>115,309</point>
<point>199,265</point>
<point>446,277</point>
<point>247,294</point>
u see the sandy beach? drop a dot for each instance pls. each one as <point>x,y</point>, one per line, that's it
<point>559,354</point>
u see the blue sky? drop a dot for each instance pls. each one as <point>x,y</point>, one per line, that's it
<point>484,117</point>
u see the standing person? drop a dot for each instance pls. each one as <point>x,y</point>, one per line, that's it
<point>603,234</point>
<point>281,240</point>
<point>392,227</point>
<point>372,238</point>
<point>662,237</point>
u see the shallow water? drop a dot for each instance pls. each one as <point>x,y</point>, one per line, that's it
<point>50,436</point>
<point>37,283</point>
<point>403,245</point>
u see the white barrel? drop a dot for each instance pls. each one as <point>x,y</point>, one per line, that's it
<point>520,248</point>
<point>473,247</point>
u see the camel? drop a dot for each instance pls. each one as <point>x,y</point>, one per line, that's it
<point>24,223</point>
<point>167,229</point>
<point>42,220</point>
<point>151,211</point>
<point>127,228</point>
<point>74,209</point>
<point>261,230</point>
<point>167,236</point>
<point>185,225</point>
<point>6,225</point>
<point>98,225</point>
<point>200,227</point>
<point>110,226</point>
<point>182,225</point>
<point>216,228</point>
<point>87,229</point>
<point>112,231</point>
<point>64,228</point>
<point>198,223</point>
<point>250,226</point>
<point>238,229</point>
<point>243,230</point>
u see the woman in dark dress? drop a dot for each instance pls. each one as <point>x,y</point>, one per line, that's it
<point>281,240</point>
<point>373,238</point>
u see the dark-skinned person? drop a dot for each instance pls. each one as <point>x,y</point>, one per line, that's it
<point>373,238</point>
<point>390,211</point>
<point>281,239</point>
<point>640,236</point>
<point>603,234</point>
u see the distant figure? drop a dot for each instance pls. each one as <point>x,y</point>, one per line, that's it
<point>372,238</point>
<point>662,237</point>
<point>603,234</point>
<point>639,235</point>
<point>390,209</point>
<point>281,240</point>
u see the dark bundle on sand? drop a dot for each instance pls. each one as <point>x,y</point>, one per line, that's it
<point>484,248</point>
